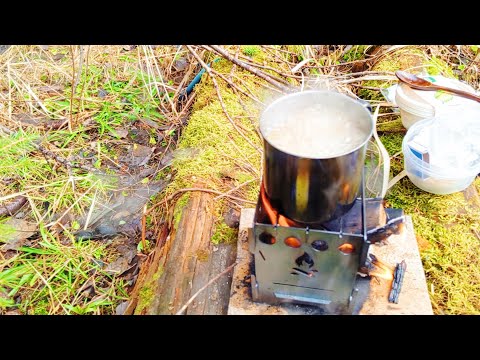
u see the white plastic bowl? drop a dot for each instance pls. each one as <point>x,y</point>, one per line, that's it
<point>416,105</point>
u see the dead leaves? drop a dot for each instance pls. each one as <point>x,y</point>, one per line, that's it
<point>15,232</point>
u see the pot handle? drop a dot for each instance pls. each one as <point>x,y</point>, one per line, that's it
<point>366,104</point>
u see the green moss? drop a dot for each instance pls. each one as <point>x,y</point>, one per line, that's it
<point>355,53</point>
<point>297,50</point>
<point>450,258</point>
<point>250,50</point>
<point>436,66</point>
<point>407,58</point>
<point>392,125</point>
<point>224,234</point>
<point>179,206</point>
<point>393,144</point>
<point>147,292</point>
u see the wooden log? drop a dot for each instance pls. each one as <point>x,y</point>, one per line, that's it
<point>192,260</point>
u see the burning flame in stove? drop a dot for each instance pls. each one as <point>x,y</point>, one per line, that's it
<point>381,270</point>
<point>381,273</point>
<point>273,215</point>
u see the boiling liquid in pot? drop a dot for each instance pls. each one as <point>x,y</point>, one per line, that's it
<point>316,131</point>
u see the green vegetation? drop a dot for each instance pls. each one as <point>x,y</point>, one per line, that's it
<point>357,52</point>
<point>56,278</point>
<point>251,50</point>
<point>56,274</point>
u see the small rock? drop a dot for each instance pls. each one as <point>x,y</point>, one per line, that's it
<point>102,93</point>
<point>84,235</point>
<point>232,218</point>
<point>180,64</point>
<point>120,309</point>
<point>105,230</point>
<point>99,263</point>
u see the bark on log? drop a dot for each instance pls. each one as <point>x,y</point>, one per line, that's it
<point>192,260</point>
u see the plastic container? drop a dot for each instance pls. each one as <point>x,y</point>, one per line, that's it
<point>442,154</point>
<point>416,105</point>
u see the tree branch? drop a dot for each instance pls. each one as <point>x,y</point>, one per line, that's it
<point>249,68</point>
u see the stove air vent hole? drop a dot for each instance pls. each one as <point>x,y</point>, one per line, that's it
<point>346,249</point>
<point>293,242</point>
<point>267,238</point>
<point>319,245</point>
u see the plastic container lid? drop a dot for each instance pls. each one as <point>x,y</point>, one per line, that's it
<point>429,103</point>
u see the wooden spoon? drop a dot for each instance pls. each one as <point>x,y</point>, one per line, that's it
<point>421,84</point>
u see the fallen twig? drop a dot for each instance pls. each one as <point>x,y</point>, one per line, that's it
<point>367,77</point>
<point>184,307</point>
<point>224,78</point>
<point>476,234</point>
<point>300,65</point>
<point>234,189</point>
<point>13,206</point>
<point>144,225</point>
<point>75,81</point>
<point>181,191</point>
<point>257,65</point>
<point>250,68</point>
<point>63,161</point>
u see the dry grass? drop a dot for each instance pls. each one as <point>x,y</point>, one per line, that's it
<point>68,114</point>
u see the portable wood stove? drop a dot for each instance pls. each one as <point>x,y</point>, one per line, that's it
<point>317,265</point>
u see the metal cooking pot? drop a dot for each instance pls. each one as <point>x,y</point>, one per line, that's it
<point>306,189</point>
